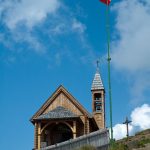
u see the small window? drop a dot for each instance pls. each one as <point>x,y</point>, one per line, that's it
<point>98,106</point>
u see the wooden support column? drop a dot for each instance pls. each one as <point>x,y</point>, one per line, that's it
<point>84,125</point>
<point>39,136</point>
<point>35,136</point>
<point>88,126</point>
<point>74,129</point>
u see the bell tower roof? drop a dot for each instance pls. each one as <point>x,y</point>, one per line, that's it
<point>97,81</point>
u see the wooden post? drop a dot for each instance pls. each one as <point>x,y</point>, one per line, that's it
<point>88,126</point>
<point>74,129</point>
<point>85,125</point>
<point>35,136</point>
<point>39,136</point>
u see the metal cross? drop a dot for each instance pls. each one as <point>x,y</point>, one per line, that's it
<point>98,62</point>
<point>127,124</point>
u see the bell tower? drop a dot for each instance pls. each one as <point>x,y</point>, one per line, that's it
<point>98,99</point>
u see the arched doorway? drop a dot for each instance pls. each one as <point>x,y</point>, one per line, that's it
<point>56,133</point>
<point>60,133</point>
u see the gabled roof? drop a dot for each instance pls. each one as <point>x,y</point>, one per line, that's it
<point>58,113</point>
<point>97,82</point>
<point>52,98</point>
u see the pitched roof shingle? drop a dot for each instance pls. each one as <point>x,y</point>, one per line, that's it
<point>58,113</point>
<point>97,82</point>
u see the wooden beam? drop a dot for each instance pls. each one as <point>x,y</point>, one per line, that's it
<point>39,136</point>
<point>35,136</point>
<point>74,129</point>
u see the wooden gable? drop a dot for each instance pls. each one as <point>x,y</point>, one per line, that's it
<point>61,97</point>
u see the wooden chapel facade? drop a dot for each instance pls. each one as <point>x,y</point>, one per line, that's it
<point>62,117</point>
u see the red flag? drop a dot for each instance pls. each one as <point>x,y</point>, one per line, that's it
<point>107,2</point>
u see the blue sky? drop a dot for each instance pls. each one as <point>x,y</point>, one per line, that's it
<point>47,43</point>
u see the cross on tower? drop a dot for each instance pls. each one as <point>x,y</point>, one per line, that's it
<point>127,124</point>
<point>97,63</point>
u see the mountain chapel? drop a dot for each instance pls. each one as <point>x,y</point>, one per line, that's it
<point>62,117</point>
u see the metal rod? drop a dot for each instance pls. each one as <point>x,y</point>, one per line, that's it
<point>109,59</point>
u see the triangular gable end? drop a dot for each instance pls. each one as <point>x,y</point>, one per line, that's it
<point>61,94</point>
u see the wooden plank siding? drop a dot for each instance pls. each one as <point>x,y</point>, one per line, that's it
<point>64,101</point>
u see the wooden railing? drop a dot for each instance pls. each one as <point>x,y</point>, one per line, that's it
<point>98,139</point>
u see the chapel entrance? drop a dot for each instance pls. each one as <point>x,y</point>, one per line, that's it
<point>60,133</point>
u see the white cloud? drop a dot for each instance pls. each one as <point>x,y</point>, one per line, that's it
<point>78,26</point>
<point>44,27</point>
<point>120,131</point>
<point>140,118</point>
<point>59,29</point>
<point>68,25</point>
<point>29,12</point>
<point>131,51</point>
<point>131,48</point>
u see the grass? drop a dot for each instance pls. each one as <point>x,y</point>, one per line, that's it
<point>129,144</point>
<point>143,142</point>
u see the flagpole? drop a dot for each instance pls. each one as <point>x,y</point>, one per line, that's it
<point>109,59</point>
